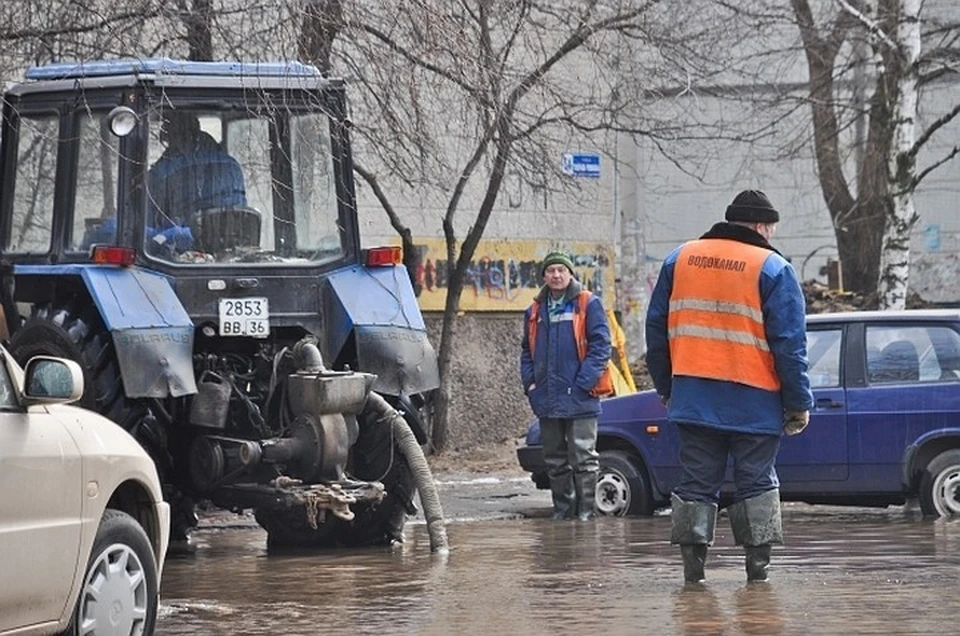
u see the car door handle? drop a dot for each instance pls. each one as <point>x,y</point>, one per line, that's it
<point>828,403</point>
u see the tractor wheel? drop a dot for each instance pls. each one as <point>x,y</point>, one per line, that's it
<point>61,332</point>
<point>375,457</point>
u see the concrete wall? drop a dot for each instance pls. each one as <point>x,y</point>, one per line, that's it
<point>488,405</point>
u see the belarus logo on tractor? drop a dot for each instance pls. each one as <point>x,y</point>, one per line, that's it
<point>187,232</point>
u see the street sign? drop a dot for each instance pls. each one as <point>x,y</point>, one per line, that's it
<point>581,164</point>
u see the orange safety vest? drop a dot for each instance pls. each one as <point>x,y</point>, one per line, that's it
<point>715,323</point>
<point>604,385</point>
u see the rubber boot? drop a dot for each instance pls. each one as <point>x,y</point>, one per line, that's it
<point>693,523</point>
<point>694,559</point>
<point>564,496</point>
<point>757,561</point>
<point>586,486</point>
<point>756,525</point>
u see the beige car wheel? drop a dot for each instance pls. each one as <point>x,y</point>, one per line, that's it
<point>119,594</point>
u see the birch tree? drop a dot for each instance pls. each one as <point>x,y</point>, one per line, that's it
<point>873,227</point>
<point>895,255</point>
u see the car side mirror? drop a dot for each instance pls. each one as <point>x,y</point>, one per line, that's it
<point>52,381</point>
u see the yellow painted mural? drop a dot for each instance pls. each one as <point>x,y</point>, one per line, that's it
<point>505,276</point>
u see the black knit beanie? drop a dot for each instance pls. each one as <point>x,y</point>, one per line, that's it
<point>752,206</point>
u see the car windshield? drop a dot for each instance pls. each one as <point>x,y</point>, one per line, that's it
<point>241,187</point>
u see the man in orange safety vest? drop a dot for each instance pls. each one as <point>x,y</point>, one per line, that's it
<point>727,351</point>
<point>563,367</point>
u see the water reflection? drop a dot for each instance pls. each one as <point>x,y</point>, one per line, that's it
<point>696,609</point>
<point>840,572</point>
<point>758,609</point>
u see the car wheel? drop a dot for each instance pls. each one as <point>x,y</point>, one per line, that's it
<point>541,480</point>
<point>119,593</point>
<point>621,487</point>
<point>940,485</point>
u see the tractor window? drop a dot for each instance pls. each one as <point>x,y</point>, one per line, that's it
<point>241,187</point>
<point>32,221</point>
<point>314,185</point>
<point>95,204</point>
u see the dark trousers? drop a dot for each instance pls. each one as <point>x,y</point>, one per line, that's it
<point>703,457</point>
<point>570,452</point>
<point>569,445</point>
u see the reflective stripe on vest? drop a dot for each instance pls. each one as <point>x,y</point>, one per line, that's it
<point>715,324</point>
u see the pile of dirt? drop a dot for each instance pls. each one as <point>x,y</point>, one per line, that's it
<point>821,299</point>
<point>641,377</point>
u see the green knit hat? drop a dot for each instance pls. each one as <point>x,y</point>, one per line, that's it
<point>556,257</point>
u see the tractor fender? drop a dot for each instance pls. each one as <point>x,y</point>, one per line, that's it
<point>377,305</point>
<point>151,331</point>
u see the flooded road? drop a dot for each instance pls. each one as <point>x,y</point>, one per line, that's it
<point>843,571</point>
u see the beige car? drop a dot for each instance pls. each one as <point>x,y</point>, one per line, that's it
<point>83,524</point>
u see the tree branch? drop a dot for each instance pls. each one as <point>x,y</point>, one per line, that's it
<point>919,177</point>
<point>932,128</point>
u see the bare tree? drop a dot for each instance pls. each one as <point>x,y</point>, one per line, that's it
<point>197,16</point>
<point>881,39</point>
<point>320,24</point>
<point>464,92</point>
<point>33,32</point>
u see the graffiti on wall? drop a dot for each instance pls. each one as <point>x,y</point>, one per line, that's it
<point>505,274</point>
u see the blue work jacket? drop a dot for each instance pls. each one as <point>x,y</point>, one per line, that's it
<point>731,406</point>
<point>563,382</point>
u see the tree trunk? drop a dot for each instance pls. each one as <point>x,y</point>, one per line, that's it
<point>456,274</point>
<point>858,245</point>
<point>198,20</point>
<point>895,259</point>
<point>441,429</point>
<point>322,21</point>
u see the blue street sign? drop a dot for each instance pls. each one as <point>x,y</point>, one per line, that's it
<point>581,164</point>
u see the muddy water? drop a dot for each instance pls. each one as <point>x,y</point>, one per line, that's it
<point>842,572</point>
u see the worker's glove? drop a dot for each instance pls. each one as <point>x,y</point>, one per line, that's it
<point>795,421</point>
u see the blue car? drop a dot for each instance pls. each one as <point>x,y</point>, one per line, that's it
<point>885,428</point>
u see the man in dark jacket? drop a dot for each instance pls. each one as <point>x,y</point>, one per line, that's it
<point>559,384</point>
<point>193,173</point>
<point>726,348</point>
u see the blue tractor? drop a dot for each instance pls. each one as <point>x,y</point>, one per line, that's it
<point>188,233</point>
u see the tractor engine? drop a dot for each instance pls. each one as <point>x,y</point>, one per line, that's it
<point>315,411</point>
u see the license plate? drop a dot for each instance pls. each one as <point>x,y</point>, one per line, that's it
<point>244,317</point>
